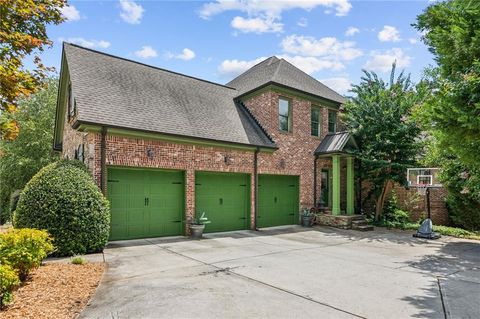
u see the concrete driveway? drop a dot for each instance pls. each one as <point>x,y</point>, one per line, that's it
<point>291,273</point>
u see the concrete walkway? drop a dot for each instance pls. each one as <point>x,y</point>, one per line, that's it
<point>291,273</point>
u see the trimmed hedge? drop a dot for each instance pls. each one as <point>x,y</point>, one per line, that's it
<point>63,199</point>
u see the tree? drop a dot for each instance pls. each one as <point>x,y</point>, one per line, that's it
<point>22,33</point>
<point>451,115</point>
<point>379,118</point>
<point>23,157</point>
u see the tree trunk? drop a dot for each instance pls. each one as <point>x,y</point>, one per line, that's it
<point>387,187</point>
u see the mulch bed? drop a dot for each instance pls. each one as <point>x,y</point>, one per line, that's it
<point>55,290</point>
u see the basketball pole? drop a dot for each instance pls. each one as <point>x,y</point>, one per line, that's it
<point>427,198</point>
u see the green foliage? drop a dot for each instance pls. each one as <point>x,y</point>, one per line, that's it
<point>24,249</point>
<point>392,214</point>
<point>78,260</point>
<point>63,199</point>
<point>23,32</point>
<point>201,220</point>
<point>451,115</point>
<point>443,230</point>
<point>8,281</point>
<point>379,116</point>
<point>32,149</point>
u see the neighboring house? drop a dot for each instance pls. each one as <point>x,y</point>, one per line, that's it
<point>163,146</point>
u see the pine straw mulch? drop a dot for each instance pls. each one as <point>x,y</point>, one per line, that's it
<point>55,290</point>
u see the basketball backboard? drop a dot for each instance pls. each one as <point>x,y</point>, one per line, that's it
<point>422,177</point>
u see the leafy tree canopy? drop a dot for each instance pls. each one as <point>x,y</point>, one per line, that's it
<point>379,118</point>
<point>22,33</point>
<point>23,157</point>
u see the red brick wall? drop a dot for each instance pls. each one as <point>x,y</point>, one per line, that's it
<point>296,148</point>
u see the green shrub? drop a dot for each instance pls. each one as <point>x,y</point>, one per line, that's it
<point>78,260</point>
<point>63,199</point>
<point>392,215</point>
<point>24,249</point>
<point>8,281</point>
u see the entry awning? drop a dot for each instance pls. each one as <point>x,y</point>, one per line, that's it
<point>337,143</point>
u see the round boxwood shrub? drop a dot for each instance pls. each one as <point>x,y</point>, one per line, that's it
<point>63,199</point>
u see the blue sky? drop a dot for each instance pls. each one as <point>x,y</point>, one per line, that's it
<point>332,40</point>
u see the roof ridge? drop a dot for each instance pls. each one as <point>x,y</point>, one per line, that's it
<point>244,107</point>
<point>278,68</point>
<point>255,66</point>
<point>146,65</point>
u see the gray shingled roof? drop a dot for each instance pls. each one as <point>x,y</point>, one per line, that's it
<point>117,92</point>
<point>336,143</point>
<point>282,72</point>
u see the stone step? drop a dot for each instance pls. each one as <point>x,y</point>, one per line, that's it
<point>359,222</point>
<point>363,227</point>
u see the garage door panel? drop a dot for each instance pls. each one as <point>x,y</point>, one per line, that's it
<point>145,202</point>
<point>222,196</point>
<point>277,200</point>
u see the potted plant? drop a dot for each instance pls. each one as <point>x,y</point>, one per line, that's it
<point>307,218</point>
<point>197,225</point>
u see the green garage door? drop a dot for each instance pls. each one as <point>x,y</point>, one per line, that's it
<point>225,199</point>
<point>145,203</point>
<point>277,200</point>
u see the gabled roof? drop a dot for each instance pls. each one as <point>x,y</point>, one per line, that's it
<point>121,93</point>
<point>279,71</point>
<point>340,142</point>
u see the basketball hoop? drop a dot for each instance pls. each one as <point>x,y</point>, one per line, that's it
<point>422,189</point>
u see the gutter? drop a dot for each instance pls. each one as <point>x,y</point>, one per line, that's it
<point>77,124</point>
<point>255,186</point>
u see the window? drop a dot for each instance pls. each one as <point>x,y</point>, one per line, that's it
<point>332,121</point>
<point>315,120</point>
<point>284,115</point>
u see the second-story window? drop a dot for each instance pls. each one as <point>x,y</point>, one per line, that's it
<point>332,121</point>
<point>315,121</point>
<point>284,115</point>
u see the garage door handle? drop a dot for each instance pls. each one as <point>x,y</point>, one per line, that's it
<point>176,221</point>
<point>243,218</point>
<point>221,201</point>
<point>275,199</point>
<point>291,214</point>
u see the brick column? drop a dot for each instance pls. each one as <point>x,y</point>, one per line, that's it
<point>189,196</point>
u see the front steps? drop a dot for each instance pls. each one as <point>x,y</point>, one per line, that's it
<point>355,222</point>
<point>361,224</point>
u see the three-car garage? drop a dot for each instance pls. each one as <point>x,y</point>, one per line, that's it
<point>151,202</point>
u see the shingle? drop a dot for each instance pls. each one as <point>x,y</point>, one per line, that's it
<point>282,72</point>
<point>334,143</point>
<point>117,92</point>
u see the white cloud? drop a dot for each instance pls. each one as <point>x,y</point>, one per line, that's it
<point>131,12</point>
<point>339,84</point>
<point>70,13</point>
<point>232,68</point>
<point>269,11</point>
<point>92,44</point>
<point>309,65</point>
<point>328,47</point>
<point>256,25</point>
<point>382,61</point>
<point>271,8</point>
<point>412,41</point>
<point>303,22</point>
<point>351,31</point>
<point>186,55</point>
<point>389,34</point>
<point>146,52</point>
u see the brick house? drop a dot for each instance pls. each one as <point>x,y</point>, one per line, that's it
<point>164,146</point>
